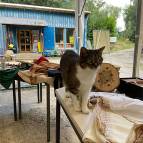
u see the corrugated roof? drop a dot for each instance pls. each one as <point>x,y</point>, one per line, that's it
<point>40,8</point>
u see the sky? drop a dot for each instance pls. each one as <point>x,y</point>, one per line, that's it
<point>119,3</point>
<point>122,4</point>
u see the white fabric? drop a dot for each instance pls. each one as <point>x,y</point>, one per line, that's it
<point>8,55</point>
<point>118,121</point>
<point>114,119</point>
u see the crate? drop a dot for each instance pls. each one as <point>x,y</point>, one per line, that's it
<point>131,88</point>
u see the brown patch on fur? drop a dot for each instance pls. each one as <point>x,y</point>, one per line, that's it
<point>68,65</point>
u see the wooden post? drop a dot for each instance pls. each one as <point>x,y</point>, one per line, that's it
<point>138,39</point>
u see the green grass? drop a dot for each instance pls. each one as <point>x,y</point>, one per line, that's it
<point>121,44</point>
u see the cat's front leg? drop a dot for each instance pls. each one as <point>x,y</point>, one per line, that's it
<point>84,103</point>
<point>67,94</point>
<point>76,101</point>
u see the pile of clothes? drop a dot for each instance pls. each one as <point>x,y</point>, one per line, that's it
<point>38,72</point>
<point>42,64</point>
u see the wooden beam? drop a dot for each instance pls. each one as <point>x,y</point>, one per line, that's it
<point>138,39</point>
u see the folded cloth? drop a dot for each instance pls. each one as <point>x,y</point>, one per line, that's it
<point>43,66</point>
<point>38,72</point>
<point>114,118</point>
<point>33,78</point>
<point>7,76</point>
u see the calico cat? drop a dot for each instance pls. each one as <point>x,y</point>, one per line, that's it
<point>78,73</point>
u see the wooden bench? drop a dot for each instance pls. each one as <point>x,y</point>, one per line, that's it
<point>77,119</point>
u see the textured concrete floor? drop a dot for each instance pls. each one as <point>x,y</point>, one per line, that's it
<point>32,128</point>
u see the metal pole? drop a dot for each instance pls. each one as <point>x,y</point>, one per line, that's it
<point>81,22</point>
<point>77,25</point>
<point>138,39</point>
<point>79,18</point>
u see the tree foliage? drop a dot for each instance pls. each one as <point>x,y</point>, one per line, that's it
<point>130,21</point>
<point>102,17</point>
<point>49,3</point>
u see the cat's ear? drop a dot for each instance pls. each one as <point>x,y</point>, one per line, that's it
<point>101,49</point>
<point>83,52</point>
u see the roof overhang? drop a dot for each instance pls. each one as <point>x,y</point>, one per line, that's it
<point>40,8</point>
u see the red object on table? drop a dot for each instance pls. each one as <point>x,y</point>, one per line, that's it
<point>41,59</point>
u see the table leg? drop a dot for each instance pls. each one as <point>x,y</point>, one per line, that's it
<point>19,99</point>
<point>57,83</point>
<point>40,92</point>
<point>57,122</point>
<point>61,83</point>
<point>14,101</point>
<point>48,112</point>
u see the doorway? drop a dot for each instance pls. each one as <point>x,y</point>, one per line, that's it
<point>25,43</point>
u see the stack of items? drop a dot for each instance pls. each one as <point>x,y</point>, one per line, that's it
<point>38,71</point>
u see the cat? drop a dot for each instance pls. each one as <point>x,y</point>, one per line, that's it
<point>78,74</point>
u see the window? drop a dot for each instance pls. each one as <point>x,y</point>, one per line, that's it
<point>70,38</point>
<point>25,41</point>
<point>59,37</point>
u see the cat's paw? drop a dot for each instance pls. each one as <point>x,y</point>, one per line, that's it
<point>67,95</point>
<point>85,110</point>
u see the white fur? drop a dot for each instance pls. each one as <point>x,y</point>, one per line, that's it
<point>87,78</point>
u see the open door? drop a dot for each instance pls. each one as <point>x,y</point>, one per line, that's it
<point>49,39</point>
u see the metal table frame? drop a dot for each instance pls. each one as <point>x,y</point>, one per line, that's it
<point>58,109</point>
<point>58,84</point>
<point>39,96</point>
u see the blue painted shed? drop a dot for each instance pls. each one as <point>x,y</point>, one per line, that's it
<point>37,28</point>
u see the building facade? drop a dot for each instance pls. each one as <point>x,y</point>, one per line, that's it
<point>37,29</point>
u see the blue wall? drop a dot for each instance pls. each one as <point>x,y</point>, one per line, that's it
<point>53,19</point>
<point>2,39</point>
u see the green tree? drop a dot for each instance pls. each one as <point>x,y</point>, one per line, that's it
<point>49,3</point>
<point>102,17</point>
<point>130,21</point>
